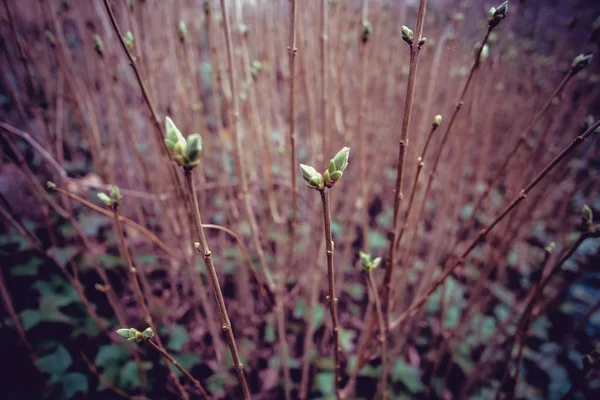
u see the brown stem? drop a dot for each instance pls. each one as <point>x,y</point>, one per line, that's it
<point>139,295</point>
<point>521,335</point>
<point>324,78</point>
<point>17,324</point>
<point>380,319</point>
<point>332,300</point>
<point>292,50</point>
<point>214,280</point>
<point>410,91</point>
<point>103,380</point>
<point>173,361</point>
<point>520,142</point>
<point>363,202</point>
<point>482,234</point>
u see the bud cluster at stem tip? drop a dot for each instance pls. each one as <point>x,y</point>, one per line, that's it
<point>133,335</point>
<point>332,174</point>
<point>113,199</point>
<point>497,14</point>
<point>368,263</point>
<point>186,152</point>
<point>580,62</point>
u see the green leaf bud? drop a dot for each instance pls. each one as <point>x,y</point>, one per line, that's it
<point>124,332</point>
<point>193,148</point>
<point>587,216</point>
<point>316,182</point>
<point>336,176</point>
<point>129,40</point>
<point>341,159</point>
<point>98,44</point>
<point>308,172</point>
<point>367,30</point>
<point>407,35</point>
<point>437,120</point>
<point>51,185</point>
<point>105,199</point>
<point>174,140</point>
<point>115,195</point>
<point>497,14</point>
<point>148,333</point>
<point>580,62</point>
<point>327,178</point>
<point>182,30</point>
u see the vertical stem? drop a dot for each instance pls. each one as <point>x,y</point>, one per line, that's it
<point>214,280</point>
<point>329,245</point>
<point>362,135</point>
<point>410,91</point>
<point>324,80</point>
<point>380,319</point>
<point>10,310</point>
<point>292,135</point>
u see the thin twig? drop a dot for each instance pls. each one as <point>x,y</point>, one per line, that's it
<point>382,339</point>
<point>418,303</point>
<point>214,279</point>
<point>184,371</point>
<point>415,49</point>
<point>139,295</point>
<point>103,380</point>
<point>332,300</point>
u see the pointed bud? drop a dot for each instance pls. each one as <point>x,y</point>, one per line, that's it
<point>327,178</point>
<point>376,262</point>
<point>105,199</point>
<point>129,40</point>
<point>587,216</point>
<point>123,332</point>
<point>341,159</point>
<point>316,182</point>
<point>51,185</point>
<point>485,52</point>
<point>407,35</point>
<point>496,15</point>
<point>182,30</point>
<point>307,172</point>
<point>193,148</point>
<point>437,120</point>
<point>336,176</point>
<point>367,30</point>
<point>580,62</point>
<point>174,140</point>
<point>115,195</point>
<point>98,44</point>
<point>548,249</point>
<point>148,333</point>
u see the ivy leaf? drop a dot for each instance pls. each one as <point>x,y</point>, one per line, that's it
<point>324,382</point>
<point>74,382</point>
<point>187,361</point>
<point>178,338</point>
<point>30,268</point>
<point>129,376</point>
<point>111,358</point>
<point>62,255</point>
<point>57,362</point>
<point>410,376</point>
<point>377,240</point>
<point>319,314</point>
